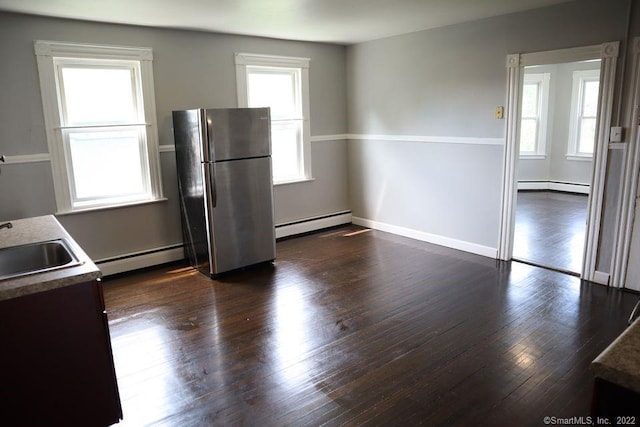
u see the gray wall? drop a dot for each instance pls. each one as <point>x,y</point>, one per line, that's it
<point>191,69</point>
<point>439,83</point>
<point>556,167</point>
<point>448,82</point>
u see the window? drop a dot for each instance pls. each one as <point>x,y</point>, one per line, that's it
<point>584,112</point>
<point>533,122</point>
<point>101,126</point>
<point>281,83</point>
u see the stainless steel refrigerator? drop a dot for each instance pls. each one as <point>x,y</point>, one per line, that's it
<point>223,160</point>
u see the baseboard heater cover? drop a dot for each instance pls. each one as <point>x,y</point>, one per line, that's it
<point>157,256</point>
<point>316,223</point>
<point>142,259</point>
<point>569,187</point>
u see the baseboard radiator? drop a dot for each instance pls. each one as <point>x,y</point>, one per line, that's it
<point>149,258</point>
<point>567,187</point>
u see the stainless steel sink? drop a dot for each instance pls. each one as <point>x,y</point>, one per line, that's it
<point>16,261</point>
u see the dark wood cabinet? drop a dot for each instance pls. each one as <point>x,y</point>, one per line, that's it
<point>56,361</point>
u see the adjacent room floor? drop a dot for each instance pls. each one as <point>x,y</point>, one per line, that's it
<point>354,326</point>
<point>550,229</point>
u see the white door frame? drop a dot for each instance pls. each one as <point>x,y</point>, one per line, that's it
<point>629,187</point>
<point>608,53</point>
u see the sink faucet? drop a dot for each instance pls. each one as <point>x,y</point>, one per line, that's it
<point>6,225</point>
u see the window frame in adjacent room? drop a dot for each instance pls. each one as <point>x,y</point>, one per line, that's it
<point>541,80</point>
<point>580,80</point>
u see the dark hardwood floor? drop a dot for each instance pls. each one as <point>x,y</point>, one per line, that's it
<point>550,229</point>
<point>359,327</point>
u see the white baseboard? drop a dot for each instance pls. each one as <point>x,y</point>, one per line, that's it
<point>554,186</point>
<point>137,260</point>
<point>428,237</point>
<point>312,224</point>
<point>601,278</point>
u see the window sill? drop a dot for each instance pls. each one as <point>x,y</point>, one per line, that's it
<point>533,156</point>
<point>295,181</point>
<point>580,158</point>
<point>104,208</point>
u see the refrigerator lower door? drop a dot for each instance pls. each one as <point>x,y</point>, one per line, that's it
<point>194,229</point>
<point>243,231</point>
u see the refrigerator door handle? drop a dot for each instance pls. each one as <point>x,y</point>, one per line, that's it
<point>205,128</point>
<point>207,156</point>
<point>209,147</point>
<point>214,191</point>
<point>210,183</point>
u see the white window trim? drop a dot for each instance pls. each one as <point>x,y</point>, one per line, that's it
<point>579,78</point>
<point>243,60</point>
<point>543,113</point>
<point>45,52</point>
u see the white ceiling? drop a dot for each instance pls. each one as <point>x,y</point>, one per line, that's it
<point>334,21</point>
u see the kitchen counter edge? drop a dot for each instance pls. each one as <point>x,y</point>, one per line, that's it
<point>619,363</point>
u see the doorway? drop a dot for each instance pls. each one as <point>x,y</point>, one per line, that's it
<point>517,64</point>
<point>558,114</point>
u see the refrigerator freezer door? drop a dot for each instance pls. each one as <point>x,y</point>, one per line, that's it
<point>243,230</point>
<point>193,187</point>
<point>238,133</point>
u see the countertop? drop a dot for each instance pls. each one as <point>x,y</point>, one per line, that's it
<point>620,362</point>
<point>40,229</point>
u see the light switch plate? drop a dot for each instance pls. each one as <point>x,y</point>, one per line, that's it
<point>616,134</point>
<point>499,112</point>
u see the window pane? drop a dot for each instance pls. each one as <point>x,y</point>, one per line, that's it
<point>276,90</point>
<point>98,96</point>
<point>530,100</point>
<point>587,135</point>
<point>286,157</point>
<point>106,164</point>
<point>590,99</point>
<point>528,135</point>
